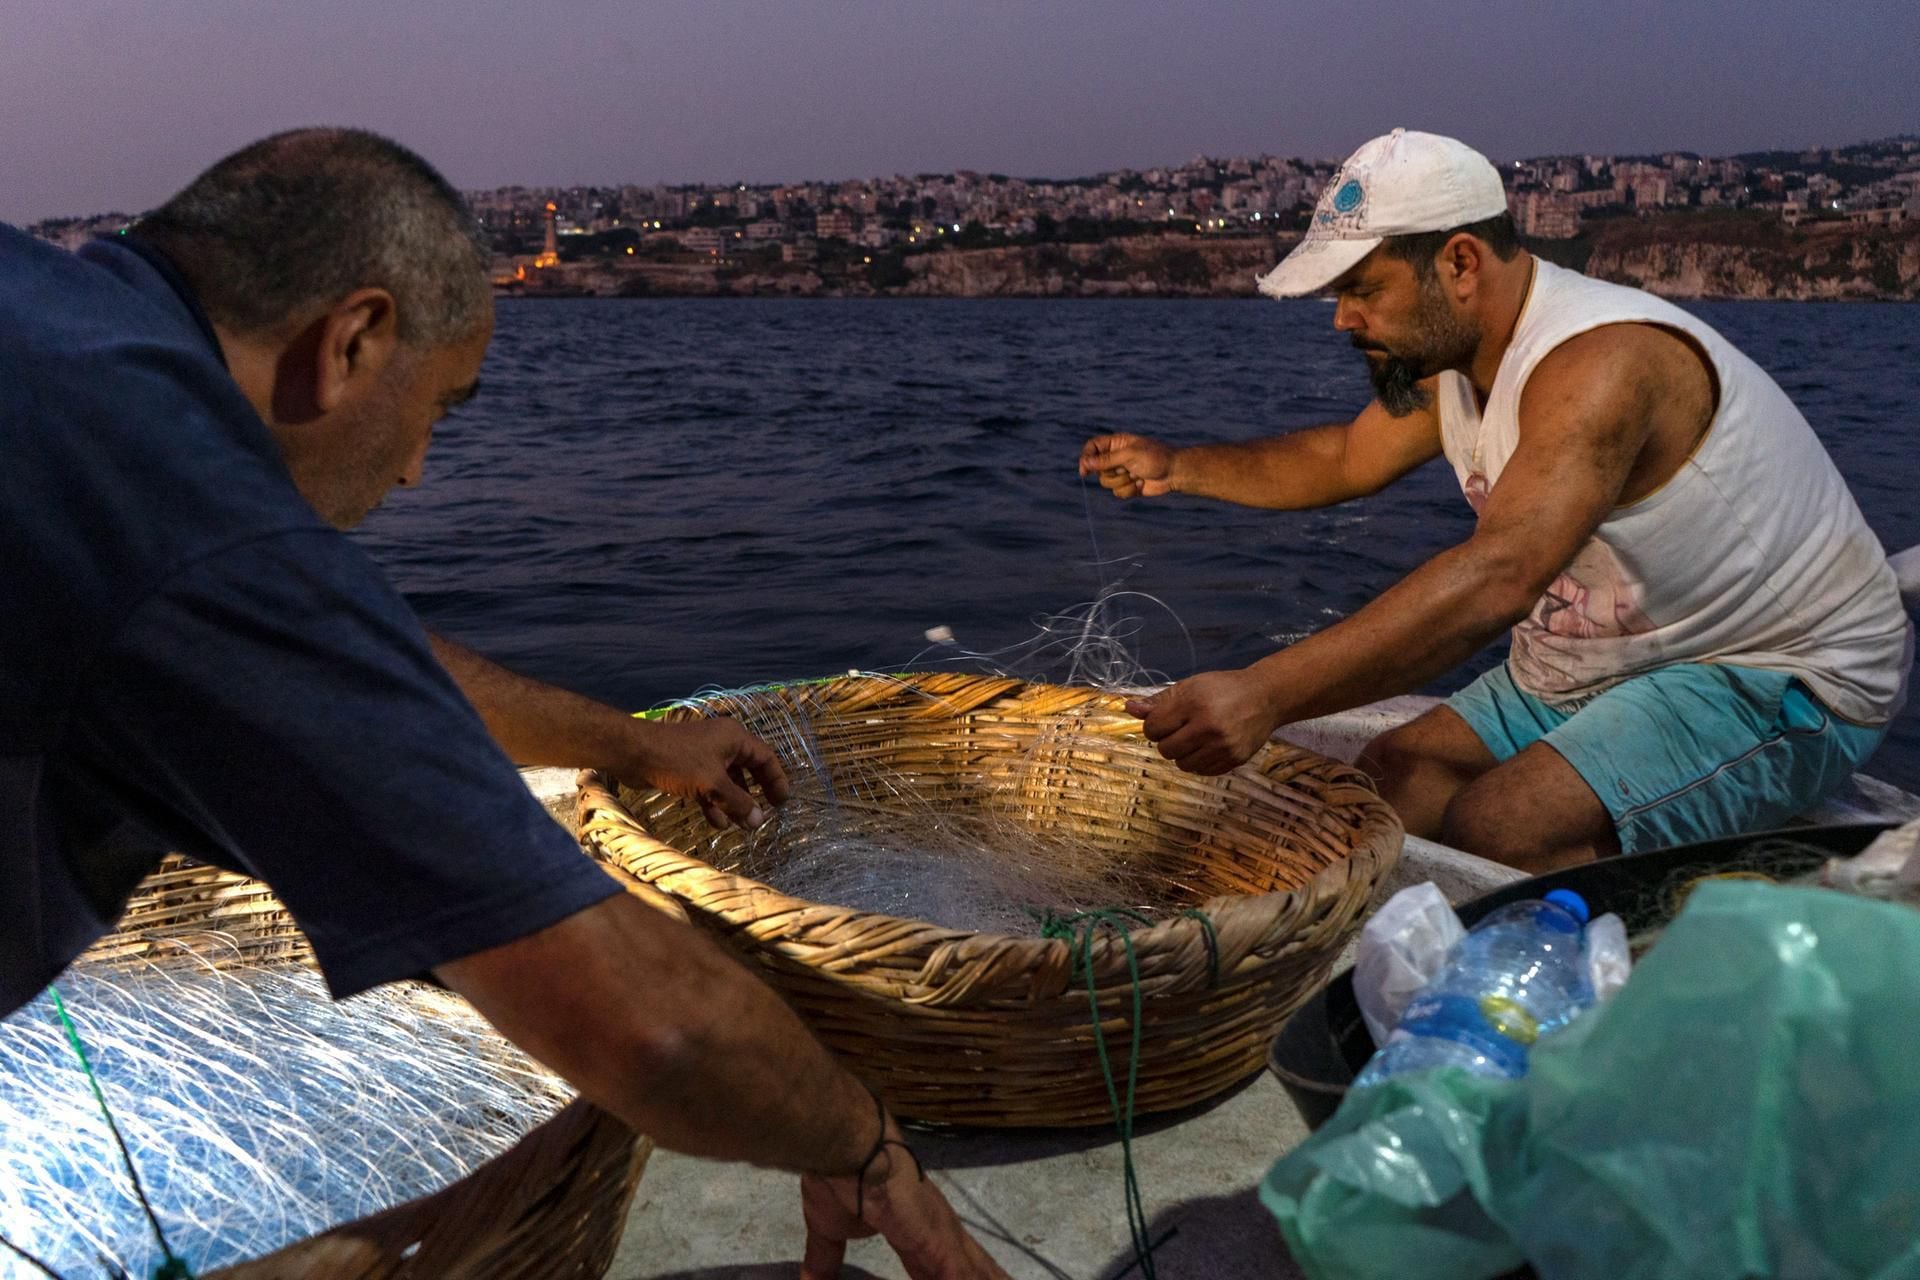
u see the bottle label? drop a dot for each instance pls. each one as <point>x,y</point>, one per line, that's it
<point>1510,1018</point>
<point>1463,1021</point>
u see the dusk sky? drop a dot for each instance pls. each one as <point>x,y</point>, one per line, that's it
<point>114,104</point>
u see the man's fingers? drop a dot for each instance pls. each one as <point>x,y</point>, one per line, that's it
<point>1165,718</point>
<point>716,814</point>
<point>830,1224</point>
<point>766,770</point>
<point>1158,728</point>
<point>823,1256</point>
<point>1207,762</point>
<point>1182,741</point>
<point>961,1256</point>
<point>734,802</point>
<point>1104,453</point>
<point>1198,748</point>
<point>930,1241</point>
<point>743,779</point>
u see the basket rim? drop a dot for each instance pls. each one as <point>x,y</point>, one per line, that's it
<point>601,792</point>
<point>1256,921</point>
<point>442,1222</point>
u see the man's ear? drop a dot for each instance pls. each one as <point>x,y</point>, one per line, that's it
<point>1461,260</point>
<point>357,338</point>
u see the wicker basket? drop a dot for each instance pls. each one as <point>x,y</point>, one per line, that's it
<point>951,1027</point>
<point>554,1205</point>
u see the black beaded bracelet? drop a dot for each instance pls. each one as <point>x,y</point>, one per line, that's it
<point>880,1144</point>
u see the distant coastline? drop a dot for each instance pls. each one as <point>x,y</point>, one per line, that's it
<point>1704,255</point>
<point>1839,223</point>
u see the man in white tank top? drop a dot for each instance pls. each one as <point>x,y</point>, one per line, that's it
<point>1706,636</point>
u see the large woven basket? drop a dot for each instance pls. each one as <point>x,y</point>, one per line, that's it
<point>1282,856</point>
<point>554,1205</point>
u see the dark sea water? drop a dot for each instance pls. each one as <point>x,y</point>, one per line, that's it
<point>649,497</point>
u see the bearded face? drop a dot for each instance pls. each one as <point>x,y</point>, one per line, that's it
<point>1437,339</point>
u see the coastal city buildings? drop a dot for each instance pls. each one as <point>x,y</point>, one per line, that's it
<point>1552,197</point>
<point>1873,184</point>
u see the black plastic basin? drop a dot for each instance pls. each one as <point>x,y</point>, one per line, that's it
<point>1325,1043</point>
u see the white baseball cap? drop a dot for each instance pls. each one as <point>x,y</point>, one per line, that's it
<point>1399,184</point>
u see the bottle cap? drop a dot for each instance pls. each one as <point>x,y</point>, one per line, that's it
<point>1570,902</point>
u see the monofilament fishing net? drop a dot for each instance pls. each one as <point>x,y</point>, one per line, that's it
<point>257,1111</point>
<point>872,828</point>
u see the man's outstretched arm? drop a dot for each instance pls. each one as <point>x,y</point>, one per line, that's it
<point>713,762</point>
<point>653,1021</point>
<point>1312,467</point>
<point>1587,413</point>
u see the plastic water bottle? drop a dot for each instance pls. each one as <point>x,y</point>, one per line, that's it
<point>1517,975</point>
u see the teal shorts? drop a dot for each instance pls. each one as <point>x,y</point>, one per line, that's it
<point>1694,751</point>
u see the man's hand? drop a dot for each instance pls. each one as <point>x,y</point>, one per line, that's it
<point>1129,466</point>
<point>1211,722</point>
<point>898,1204</point>
<point>652,1019</point>
<point>714,763</point>
<point>711,762</point>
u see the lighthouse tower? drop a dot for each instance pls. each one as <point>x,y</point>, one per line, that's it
<point>550,256</point>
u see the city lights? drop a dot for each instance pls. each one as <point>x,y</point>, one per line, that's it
<point>1551,198</point>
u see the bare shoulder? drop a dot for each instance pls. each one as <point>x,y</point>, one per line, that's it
<point>1637,394</point>
<point>1621,364</point>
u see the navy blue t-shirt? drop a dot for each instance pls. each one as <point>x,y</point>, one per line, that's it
<point>191,659</point>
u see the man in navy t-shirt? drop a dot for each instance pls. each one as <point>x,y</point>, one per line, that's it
<point>195,657</point>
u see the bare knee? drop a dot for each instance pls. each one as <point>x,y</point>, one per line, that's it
<point>1489,819</point>
<point>1476,821</point>
<point>1390,755</point>
<point>1421,765</point>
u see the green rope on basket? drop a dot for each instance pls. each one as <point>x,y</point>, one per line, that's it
<point>1079,932</point>
<point>172,1268</point>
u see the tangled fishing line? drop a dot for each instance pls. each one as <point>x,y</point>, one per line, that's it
<point>862,830</point>
<point>864,833</point>
<point>1093,643</point>
<point>256,1110</point>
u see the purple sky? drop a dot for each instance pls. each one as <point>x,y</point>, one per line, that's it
<point>113,104</point>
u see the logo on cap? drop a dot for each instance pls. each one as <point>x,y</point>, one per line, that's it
<point>1343,204</point>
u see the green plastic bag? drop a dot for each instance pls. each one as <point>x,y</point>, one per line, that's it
<point>1747,1106</point>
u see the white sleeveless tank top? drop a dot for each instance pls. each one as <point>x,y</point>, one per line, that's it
<point>1753,554</point>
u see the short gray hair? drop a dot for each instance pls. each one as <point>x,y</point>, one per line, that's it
<point>297,221</point>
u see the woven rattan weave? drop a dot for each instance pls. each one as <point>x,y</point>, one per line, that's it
<point>1282,856</point>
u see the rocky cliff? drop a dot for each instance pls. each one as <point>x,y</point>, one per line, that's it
<point>1703,256</point>
<point>1696,255</point>
<point>1139,266</point>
